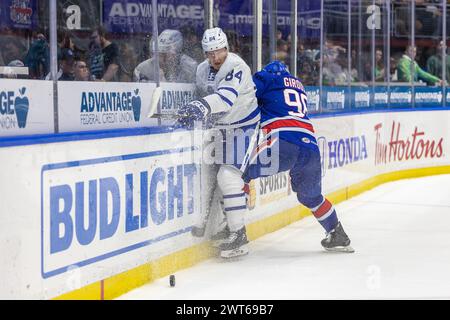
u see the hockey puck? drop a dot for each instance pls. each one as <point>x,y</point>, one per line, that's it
<point>172,280</point>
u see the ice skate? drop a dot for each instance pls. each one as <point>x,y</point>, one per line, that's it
<point>337,240</point>
<point>221,236</point>
<point>234,245</point>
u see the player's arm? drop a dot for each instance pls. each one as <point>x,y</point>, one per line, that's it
<point>110,72</point>
<point>197,109</point>
<point>428,77</point>
<point>113,67</point>
<point>221,101</point>
<point>227,91</point>
<point>260,84</point>
<point>404,70</point>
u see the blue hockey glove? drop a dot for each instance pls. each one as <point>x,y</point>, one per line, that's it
<point>194,111</point>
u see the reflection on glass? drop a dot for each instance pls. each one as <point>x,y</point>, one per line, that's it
<point>236,20</point>
<point>174,65</point>
<point>335,59</point>
<point>308,44</point>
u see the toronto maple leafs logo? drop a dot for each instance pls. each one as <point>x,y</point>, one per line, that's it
<point>212,74</point>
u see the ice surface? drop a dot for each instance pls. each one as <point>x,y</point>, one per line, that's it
<point>401,234</point>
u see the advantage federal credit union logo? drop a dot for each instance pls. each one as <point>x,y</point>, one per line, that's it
<point>110,107</point>
<point>13,109</point>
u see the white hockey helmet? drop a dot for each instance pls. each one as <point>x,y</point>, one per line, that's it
<point>169,41</point>
<point>214,39</point>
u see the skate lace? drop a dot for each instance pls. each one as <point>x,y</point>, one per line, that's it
<point>233,236</point>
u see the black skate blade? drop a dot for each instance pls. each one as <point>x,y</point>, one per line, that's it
<point>346,249</point>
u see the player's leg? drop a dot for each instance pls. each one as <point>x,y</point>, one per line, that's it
<point>236,149</point>
<point>271,157</point>
<point>234,205</point>
<point>306,179</point>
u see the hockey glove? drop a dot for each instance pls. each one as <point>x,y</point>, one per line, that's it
<point>194,111</point>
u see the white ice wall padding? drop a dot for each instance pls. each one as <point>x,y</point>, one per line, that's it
<point>25,230</point>
<point>26,107</point>
<point>29,172</point>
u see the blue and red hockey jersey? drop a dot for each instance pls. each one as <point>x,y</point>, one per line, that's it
<point>283,103</point>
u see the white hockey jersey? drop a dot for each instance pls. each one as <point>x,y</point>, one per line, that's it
<point>183,72</point>
<point>230,90</point>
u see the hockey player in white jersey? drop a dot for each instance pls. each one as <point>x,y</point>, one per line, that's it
<point>174,66</point>
<point>225,84</point>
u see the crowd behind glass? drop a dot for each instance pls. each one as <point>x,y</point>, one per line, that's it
<point>351,51</point>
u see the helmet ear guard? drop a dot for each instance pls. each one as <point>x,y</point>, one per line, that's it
<point>214,39</point>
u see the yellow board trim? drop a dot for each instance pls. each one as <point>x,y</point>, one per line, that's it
<point>119,284</point>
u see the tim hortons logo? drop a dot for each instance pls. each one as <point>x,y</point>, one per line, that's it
<point>405,147</point>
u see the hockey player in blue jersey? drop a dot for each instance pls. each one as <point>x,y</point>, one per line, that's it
<point>289,135</point>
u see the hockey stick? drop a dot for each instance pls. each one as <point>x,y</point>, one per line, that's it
<point>167,116</point>
<point>198,230</point>
<point>252,145</point>
<point>154,103</point>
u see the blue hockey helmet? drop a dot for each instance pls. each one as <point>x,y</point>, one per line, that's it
<point>276,67</point>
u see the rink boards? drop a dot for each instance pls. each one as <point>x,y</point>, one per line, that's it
<point>94,215</point>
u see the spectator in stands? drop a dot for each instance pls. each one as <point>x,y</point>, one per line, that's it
<point>81,71</point>
<point>12,49</point>
<point>434,63</point>
<point>355,73</point>
<point>368,70</point>
<point>234,41</point>
<point>95,57</point>
<point>65,41</point>
<point>104,65</point>
<point>333,73</point>
<point>330,45</point>
<point>128,62</point>
<point>282,53</point>
<point>409,70</point>
<point>174,66</point>
<point>246,49</point>
<point>301,50</point>
<point>191,44</point>
<point>279,35</point>
<point>307,72</point>
<point>66,51</point>
<point>66,65</point>
<point>38,57</point>
<point>394,59</point>
<point>379,65</point>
